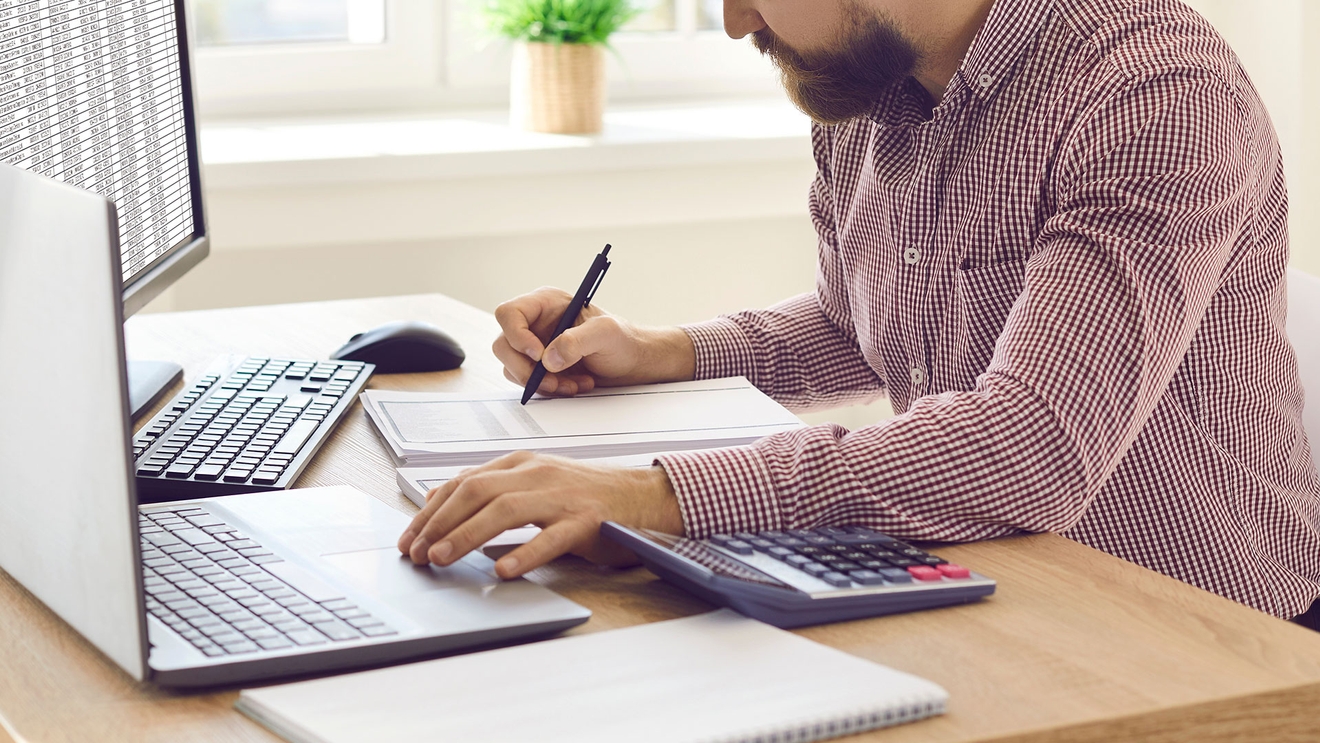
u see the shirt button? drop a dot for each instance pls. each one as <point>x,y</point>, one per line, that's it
<point>918,376</point>
<point>912,256</point>
<point>985,81</point>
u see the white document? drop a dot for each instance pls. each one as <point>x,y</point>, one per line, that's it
<point>416,482</point>
<point>438,429</point>
<point>713,677</point>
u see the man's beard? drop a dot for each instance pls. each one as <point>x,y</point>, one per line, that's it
<point>844,83</point>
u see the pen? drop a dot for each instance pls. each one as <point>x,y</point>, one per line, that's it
<point>587,290</point>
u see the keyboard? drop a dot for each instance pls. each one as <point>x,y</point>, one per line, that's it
<point>844,556</point>
<point>226,594</point>
<point>801,577</point>
<point>248,424</point>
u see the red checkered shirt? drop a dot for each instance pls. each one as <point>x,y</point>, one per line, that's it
<point>1069,280</point>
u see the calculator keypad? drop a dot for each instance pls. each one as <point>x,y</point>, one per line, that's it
<point>844,555</point>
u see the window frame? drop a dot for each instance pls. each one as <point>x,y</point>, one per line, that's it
<point>436,58</point>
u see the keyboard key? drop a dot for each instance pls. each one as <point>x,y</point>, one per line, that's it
<point>378,631</point>
<point>338,604</point>
<point>337,631</point>
<point>950,570</point>
<point>867,577</point>
<point>274,643</point>
<point>306,637</point>
<point>238,648</point>
<point>739,546</point>
<point>316,616</point>
<point>836,579</point>
<point>209,472</point>
<point>925,573</point>
<point>161,539</point>
<point>237,474</point>
<point>780,553</point>
<point>363,622</point>
<point>212,650</point>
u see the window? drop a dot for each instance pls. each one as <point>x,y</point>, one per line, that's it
<point>281,57</point>
<point>244,22</point>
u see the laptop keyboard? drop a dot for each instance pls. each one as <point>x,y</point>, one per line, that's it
<point>228,595</point>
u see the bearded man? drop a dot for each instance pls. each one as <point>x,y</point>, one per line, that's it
<point>1054,233</point>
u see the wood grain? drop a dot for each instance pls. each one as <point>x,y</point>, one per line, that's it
<point>1074,646</point>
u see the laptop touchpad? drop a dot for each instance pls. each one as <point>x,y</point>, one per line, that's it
<point>385,572</point>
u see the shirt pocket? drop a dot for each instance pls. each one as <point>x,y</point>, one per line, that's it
<point>987,293</point>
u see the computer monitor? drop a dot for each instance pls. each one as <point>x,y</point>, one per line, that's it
<point>99,94</point>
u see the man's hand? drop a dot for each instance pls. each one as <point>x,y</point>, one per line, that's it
<point>600,351</point>
<point>569,500</point>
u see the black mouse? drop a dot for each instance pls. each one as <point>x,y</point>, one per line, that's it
<point>404,347</point>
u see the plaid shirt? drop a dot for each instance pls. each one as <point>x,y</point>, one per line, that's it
<point>1070,283</point>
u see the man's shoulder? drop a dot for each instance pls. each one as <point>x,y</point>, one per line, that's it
<point>1147,38</point>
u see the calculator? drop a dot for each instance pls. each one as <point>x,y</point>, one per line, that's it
<point>805,576</point>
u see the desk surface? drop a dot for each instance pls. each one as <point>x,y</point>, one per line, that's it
<point>1075,645</point>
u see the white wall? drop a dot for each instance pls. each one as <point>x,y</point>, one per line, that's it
<point>1278,42</point>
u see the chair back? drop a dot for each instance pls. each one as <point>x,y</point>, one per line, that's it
<point>1304,332</point>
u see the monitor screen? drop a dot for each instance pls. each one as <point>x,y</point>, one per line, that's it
<point>96,93</point>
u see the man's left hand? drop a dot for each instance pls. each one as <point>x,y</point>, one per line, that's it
<point>569,500</point>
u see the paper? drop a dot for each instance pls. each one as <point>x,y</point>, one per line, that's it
<point>416,482</point>
<point>714,677</point>
<point>439,429</point>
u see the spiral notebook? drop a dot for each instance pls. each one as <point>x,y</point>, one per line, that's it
<point>713,677</point>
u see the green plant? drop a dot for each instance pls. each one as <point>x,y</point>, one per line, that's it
<point>558,21</point>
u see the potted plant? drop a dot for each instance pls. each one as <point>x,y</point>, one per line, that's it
<point>558,80</point>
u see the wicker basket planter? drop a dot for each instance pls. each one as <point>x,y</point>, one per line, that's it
<point>558,88</point>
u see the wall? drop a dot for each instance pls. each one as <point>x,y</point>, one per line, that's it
<point>1278,42</point>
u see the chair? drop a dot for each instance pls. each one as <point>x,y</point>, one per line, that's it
<point>1304,332</point>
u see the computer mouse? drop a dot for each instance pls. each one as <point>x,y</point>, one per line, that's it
<point>404,347</point>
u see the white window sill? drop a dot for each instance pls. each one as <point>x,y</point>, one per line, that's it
<point>483,144</point>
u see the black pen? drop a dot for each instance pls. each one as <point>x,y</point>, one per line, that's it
<point>582,299</point>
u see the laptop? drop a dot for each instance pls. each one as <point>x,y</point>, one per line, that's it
<point>205,592</point>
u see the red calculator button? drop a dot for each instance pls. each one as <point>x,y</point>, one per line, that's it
<point>925,572</point>
<point>954,571</point>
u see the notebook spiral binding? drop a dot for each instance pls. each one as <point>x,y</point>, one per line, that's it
<point>861,721</point>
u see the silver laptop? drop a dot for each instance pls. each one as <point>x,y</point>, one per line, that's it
<point>203,592</point>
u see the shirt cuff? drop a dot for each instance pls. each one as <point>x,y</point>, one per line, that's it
<point>722,349</point>
<point>722,491</point>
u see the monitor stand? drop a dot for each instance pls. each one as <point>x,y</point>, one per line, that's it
<point>148,380</point>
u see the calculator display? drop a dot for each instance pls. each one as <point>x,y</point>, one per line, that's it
<point>711,559</point>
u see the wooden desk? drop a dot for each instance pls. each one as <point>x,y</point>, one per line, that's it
<point>1075,645</point>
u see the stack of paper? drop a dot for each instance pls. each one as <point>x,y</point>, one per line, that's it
<point>715,677</point>
<point>416,482</point>
<point>445,429</point>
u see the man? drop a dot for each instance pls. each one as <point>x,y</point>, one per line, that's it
<point>1054,233</point>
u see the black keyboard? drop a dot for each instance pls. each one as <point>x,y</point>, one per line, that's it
<point>228,595</point>
<point>247,425</point>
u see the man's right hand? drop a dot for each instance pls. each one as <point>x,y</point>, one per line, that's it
<point>601,350</point>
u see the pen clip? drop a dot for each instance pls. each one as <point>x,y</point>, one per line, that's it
<point>599,278</point>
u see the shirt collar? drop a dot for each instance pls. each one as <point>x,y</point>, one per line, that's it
<point>1012,25</point>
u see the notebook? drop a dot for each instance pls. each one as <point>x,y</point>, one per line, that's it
<point>423,429</point>
<point>712,677</point>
